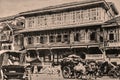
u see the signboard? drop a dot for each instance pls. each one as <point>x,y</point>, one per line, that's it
<point>114,44</point>
<point>112,55</point>
<point>117,59</point>
<point>94,56</point>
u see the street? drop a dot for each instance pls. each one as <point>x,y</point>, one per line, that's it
<point>56,77</point>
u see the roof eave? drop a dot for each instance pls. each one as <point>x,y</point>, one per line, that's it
<point>62,8</point>
<point>114,9</point>
<point>9,18</point>
<point>57,28</point>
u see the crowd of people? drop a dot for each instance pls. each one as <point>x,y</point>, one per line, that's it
<point>92,68</point>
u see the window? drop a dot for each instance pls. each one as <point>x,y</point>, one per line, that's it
<point>52,38</point>
<point>3,37</point>
<point>68,18</point>
<point>32,54</point>
<point>45,20</point>
<point>93,15</point>
<point>76,36</point>
<point>93,36</point>
<point>65,17</point>
<point>98,13</point>
<point>38,39</point>
<point>9,47</point>
<point>101,39</point>
<point>86,15</point>
<point>42,20</point>
<point>39,21</point>
<point>30,22</point>
<point>74,16</point>
<point>82,35</point>
<point>82,14</point>
<point>111,36</point>
<point>53,19</point>
<point>5,48</point>
<point>66,38</point>
<point>49,20</point>
<point>16,39</point>
<point>59,37</point>
<point>59,18</point>
<point>78,16</point>
<point>43,39</point>
<point>30,40</point>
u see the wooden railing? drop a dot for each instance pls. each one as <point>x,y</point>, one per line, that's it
<point>64,45</point>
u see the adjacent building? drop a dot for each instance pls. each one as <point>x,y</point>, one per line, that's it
<point>112,38</point>
<point>9,25</point>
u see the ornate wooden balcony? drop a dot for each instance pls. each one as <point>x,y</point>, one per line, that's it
<point>62,45</point>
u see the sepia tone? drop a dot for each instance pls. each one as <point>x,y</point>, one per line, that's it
<point>70,41</point>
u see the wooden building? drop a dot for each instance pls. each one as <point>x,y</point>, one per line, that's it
<point>54,32</point>
<point>112,38</point>
<point>9,25</point>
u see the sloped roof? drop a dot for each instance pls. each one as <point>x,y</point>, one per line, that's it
<point>112,5</point>
<point>63,6</point>
<point>14,27</point>
<point>9,18</point>
<point>114,20</point>
<point>112,23</point>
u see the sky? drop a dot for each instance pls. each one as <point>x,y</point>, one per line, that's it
<point>12,7</point>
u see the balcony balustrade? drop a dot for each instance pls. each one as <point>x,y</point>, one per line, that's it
<point>57,45</point>
<point>113,44</point>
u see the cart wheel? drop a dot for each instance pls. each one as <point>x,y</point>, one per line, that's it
<point>66,72</point>
<point>99,74</point>
<point>78,74</point>
<point>112,74</point>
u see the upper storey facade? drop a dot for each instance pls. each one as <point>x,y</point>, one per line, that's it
<point>92,12</point>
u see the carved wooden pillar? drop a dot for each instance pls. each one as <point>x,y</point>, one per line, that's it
<point>71,37</point>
